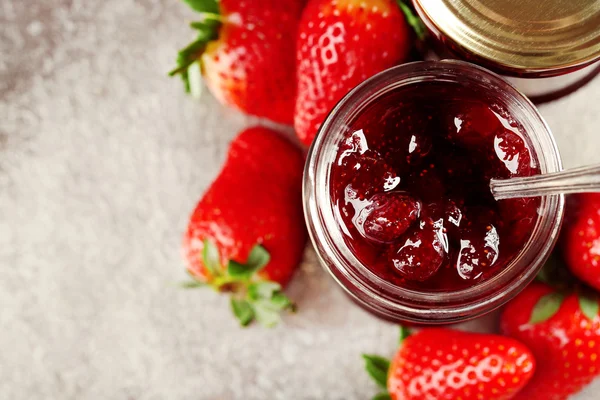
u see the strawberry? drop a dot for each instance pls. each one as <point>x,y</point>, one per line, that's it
<point>246,235</point>
<point>245,50</point>
<point>448,364</point>
<point>421,254</point>
<point>340,44</point>
<point>581,237</point>
<point>563,332</point>
<point>389,215</point>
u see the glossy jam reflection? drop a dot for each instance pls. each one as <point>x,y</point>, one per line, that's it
<point>410,187</point>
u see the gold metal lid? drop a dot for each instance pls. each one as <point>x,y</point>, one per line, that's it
<point>522,35</point>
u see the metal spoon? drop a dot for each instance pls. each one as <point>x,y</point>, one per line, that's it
<point>576,180</point>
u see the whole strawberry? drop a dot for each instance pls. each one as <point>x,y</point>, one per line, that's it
<point>448,364</point>
<point>581,237</point>
<point>246,52</point>
<point>563,332</point>
<point>340,44</point>
<point>247,235</point>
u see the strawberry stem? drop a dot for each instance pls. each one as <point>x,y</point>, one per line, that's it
<point>188,58</point>
<point>252,298</point>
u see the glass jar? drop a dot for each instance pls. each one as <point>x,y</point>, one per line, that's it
<point>547,49</point>
<point>401,304</point>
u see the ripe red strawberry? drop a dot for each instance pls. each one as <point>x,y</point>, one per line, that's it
<point>246,52</point>
<point>447,364</point>
<point>390,215</point>
<point>246,235</point>
<point>341,43</point>
<point>563,332</point>
<point>581,237</point>
<point>420,254</point>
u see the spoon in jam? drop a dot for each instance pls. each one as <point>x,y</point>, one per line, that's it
<point>575,180</point>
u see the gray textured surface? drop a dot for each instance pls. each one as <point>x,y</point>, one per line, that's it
<point>101,160</point>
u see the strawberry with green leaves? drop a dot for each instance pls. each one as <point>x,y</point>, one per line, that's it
<point>247,234</point>
<point>580,237</point>
<point>341,43</point>
<point>245,49</point>
<point>563,332</point>
<point>445,364</point>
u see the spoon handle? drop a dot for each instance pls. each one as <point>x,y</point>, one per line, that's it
<point>576,180</point>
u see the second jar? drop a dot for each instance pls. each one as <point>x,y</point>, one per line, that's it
<point>546,48</point>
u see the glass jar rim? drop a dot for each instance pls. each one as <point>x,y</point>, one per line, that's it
<point>341,262</point>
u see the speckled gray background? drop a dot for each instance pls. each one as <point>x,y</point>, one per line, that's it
<point>101,160</point>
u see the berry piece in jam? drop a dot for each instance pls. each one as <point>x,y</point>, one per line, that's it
<point>512,155</point>
<point>420,254</point>
<point>470,125</point>
<point>411,184</point>
<point>363,170</point>
<point>448,214</point>
<point>478,252</point>
<point>389,215</point>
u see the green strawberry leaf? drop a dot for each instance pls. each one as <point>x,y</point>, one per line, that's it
<point>588,303</point>
<point>404,333</point>
<point>267,295</point>
<point>189,55</point>
<point>266,313</point>
<point>263,290</point>
<point>258,258</point>
<point>377,367</point>
<point>282,302</point>
<point>237,270</point>
<point>242,309</point>
<point>206,28</point>
<point>546,307</point>
<point>263,300</point>
<point>192,284</point>
<point>211,257</point>
<point>208,6</point>
<point>382,396</point>
<point>208,23</point>
<point>268,301</point>
<point>188,59</point>
<point>413,20</point>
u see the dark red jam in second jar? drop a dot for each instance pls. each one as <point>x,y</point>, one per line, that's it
<point>410,186</point>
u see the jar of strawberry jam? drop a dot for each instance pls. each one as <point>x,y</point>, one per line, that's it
<point>546,48</point>
<point>397,199</point>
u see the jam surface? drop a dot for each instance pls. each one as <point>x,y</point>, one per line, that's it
<point>410,187</point>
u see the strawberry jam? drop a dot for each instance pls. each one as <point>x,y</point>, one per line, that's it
<point>410,185</point>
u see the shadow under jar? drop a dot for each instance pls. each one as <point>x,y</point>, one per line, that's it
<point>396,193</point>
<point>547,49</point>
